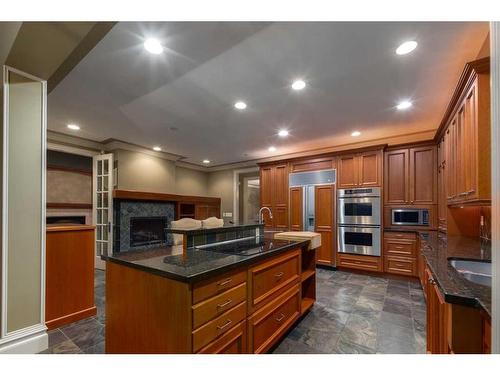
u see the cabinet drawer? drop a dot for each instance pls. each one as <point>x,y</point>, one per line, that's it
<point>215,306</point>
<point>267,325</point>
<point>401,235</point>
<point>362,262</point>
<point>266,279</point>
<point>209,288</point>
<point>399,248</point>
<point>217,327</point>
<point>233,341</point>
<point>401,265</point>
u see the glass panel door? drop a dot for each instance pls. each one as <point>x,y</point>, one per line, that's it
<point>103,206</point>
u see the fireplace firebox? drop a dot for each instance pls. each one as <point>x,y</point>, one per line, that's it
<point>147,231</point>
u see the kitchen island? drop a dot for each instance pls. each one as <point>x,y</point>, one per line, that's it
<point>213,300</point>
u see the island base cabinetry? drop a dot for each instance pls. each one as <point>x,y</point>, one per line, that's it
<point>247,310</point>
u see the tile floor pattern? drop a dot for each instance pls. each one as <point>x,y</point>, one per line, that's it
<point>353,313</point>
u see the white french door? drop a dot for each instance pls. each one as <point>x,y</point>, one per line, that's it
<point>103,206</point>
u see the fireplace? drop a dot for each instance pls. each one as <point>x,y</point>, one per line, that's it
<point>147,231</point>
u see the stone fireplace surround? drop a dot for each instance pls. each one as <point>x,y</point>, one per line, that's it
<point>125,210</point>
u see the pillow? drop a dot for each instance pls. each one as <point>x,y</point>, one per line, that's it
<point>185,223</point>
<point>212,222</point>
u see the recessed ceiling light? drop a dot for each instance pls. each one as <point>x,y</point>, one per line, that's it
<point>298,85</point>
<point>356,133</point>
<point>157,148</point>
<point>206,161</point>
<point>73,127</point>
<point>272,149</point>
<point>405,104</point>
<point>153,46</point>
<point>240,105</point>
<point>406,47</point>
<point>283,133</point>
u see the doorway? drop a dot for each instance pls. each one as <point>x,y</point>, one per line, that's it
<point>249,193</point>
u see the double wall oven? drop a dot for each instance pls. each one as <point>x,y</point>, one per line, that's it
<point>359,221</point>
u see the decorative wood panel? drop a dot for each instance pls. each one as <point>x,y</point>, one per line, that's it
<point>348,169</point>
<point>396,177</point>
<point>69,284</point>
<point>296,209</point>
<point>423,175</point>
<point>312,165</point>
<point>370,168</point>
<point>324,205</point>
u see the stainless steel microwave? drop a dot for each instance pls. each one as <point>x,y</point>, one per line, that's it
<point>410,216</point>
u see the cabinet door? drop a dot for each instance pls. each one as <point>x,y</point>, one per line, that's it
<point>396,177</point>
<point>370,169</point>
<point>471,143</point>
<point>324,199</point>
<point>461,157</point>
<point>280,197</point>
<point>450,161</point>
<point>348,171</point>
<point>296,207</point>
<point>266,192</point>
<point>442,207</point>
<point>233,341</point>
<point>423,178</point>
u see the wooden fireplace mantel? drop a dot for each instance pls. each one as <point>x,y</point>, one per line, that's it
<point>150,196</point>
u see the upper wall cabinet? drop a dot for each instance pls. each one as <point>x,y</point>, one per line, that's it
<point>362,169</point>
<point>410,176</point>
<point>274,194</point>
<point>465,138</point>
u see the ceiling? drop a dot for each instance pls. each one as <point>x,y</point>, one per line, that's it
<point>182,99</point>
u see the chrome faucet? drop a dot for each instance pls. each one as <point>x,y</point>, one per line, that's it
<point>261,216</point>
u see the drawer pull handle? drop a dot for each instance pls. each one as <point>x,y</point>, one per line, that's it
<point>229,321</point>
<point>222,305</point>
<point>223,283</point>
<point>279,275</point>
<point>399,247</point>
<point>282,316</point>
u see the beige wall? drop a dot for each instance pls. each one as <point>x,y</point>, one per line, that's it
<point>220,184</point>
<point>191,182</point>
<point>140,171</point>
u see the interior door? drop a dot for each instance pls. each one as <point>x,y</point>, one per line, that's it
<point>103,206</point>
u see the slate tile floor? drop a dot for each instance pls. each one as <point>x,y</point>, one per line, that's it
<point>353,314</point>
<point>360,314</point>
<point>85,336</point>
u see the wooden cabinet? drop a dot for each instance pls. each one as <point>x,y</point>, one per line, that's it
<point>362,169</point>
<point>410,176</point>
<point>400,253</point>
<point>360,262</point>
<point>324,198</point>
<point>437,325</point>
<point>234,341</point>
<point>274,194</point>
<point>442,206</point>
<point>296,208</point>
<point>268,324</point>
<point>465,135</point>
<point>69,287</point>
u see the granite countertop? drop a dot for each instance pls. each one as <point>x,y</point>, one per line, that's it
<point>437,249</point>
<point>196,264</point>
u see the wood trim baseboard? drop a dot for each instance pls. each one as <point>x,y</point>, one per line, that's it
<point>81,206</point>
<point>68,169</point>
<point>66,319</point>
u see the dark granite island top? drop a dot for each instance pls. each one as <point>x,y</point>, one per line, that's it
<point>438,249</point>
<point>196,264</point>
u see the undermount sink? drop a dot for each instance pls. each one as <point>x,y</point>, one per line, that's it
<point>476,271</point>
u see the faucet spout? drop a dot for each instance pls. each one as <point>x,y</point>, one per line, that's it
<point>261,215</point>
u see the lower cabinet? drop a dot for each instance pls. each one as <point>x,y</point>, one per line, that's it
<point>400,253</point>
<point>267,325</point>
<point>233,341</point>
<point>360,262</point>
<point>437,315</point>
